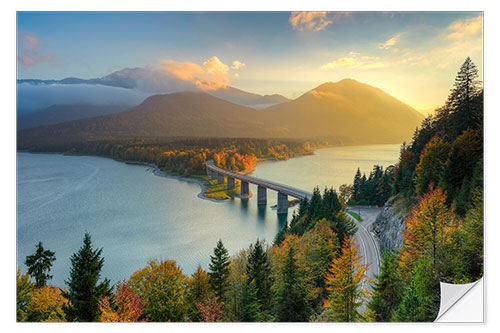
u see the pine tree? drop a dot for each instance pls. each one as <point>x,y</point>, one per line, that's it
<point>250,308</point>
<point>464,113</point>
<point>409,309</point>
<point>219,270</point>
<point>259,272</point>
<point>388,288</point>
<point>291,302</point>
<point>84,290</point>
<point>356,186</point>
<point>39,265</point>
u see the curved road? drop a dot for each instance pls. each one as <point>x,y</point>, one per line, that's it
<point>367,244</point>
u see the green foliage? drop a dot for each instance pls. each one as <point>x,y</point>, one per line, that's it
<point>85,291</point>
<point>249,303</point>
<point>39,265</point>
<point>24,288</point>
<point>388,289</point>
<point>198,290</point>
<point>259,272</point>
<point>291,299</point>
<point>432,164</point>
<point>219,270</point>
<point>163,286</point>
<point>409,308</point>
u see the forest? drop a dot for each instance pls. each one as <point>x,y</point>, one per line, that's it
<point>312,271</point>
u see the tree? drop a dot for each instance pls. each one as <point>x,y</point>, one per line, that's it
<point>291,299</point>
<point>259,272</point>
<point>47,305</point>
<point>128,307</point>
<point>388,288</point>
<point>85,291</point>
<point>24,288</point>
<point>409,309</point>
<point>344,283</point>
<point>162,285</point>
<point>39,265</point>
<point>464,113</point>
<point>210,309</point>
<point>198,290</point>
<point>429,225</point>
<point>250,306</point>
<point>345,194</point>
<point>432,164</point>
<point>356,186</point>
<point>219,270</point>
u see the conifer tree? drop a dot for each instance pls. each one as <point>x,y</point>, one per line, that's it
<point>409,309</point>
<point>39,265</point>
<point>85,291</point>
<point>259,271</point>
<point>219,270</point>
<point>291,297</point>
<point>250,308</point>
<point>388,288</point>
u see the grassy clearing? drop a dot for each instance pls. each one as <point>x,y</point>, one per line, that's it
<point>355,215</point>
<point>219,191</point>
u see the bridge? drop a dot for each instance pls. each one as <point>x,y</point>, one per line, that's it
<point>284,191</point>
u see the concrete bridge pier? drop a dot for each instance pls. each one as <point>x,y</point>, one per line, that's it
<point>213,174</point>
<point>220,178</point>
<point>244,189</point>
<point>282,203</point>
<point>230,183</point>
<point>261,195</point>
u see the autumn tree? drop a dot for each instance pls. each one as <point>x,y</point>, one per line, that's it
<point>219,270</point>
<point>428,227</point>
<point>24,288</point>
<point>210,309</point>
<point>198,290</point>
<point>128,306</point>
<point>39,265</point>
<point>85,291</point>
<point>432,164</point>
<point>345,194</point>
<point>344,284</point>
<point>162,285</point>
<point>47,305</point>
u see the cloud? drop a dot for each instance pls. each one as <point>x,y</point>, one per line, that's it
<point>29,54</point>
<point>212,76</point>
<point>389,43</point>
<point>313,21</point>
<point>465,28</point>
<point>351,62</point>
<point>238,64</point>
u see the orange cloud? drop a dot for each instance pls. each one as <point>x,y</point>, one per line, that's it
<point>238,64</point>
<point>464,28</point>
<point>389,43</point>
<point>351,62</point>
<point>30,51</point>
<point>212,76</point>
<point>313,21</point>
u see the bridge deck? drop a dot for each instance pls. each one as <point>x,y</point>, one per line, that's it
<point>285,189</point>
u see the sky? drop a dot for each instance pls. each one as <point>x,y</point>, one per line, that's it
<point>413,56</point>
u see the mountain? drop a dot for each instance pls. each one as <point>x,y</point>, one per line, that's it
<point>347,109</point>
<point>61,113</point>
<point>186,114</point>
<point>241,97</point>
<point>347,112</point>
<point>156,82</point>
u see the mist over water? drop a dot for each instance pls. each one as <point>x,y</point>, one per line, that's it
<point>136,216</point>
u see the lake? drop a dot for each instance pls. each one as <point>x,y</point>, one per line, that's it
<point>136,216</point>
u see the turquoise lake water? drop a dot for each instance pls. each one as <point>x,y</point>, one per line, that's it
<point>136,216</point>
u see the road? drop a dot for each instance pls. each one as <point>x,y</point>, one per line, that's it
<point>366,242</point>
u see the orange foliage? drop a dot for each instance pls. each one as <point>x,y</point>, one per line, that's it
<point>429,225</point>
<point>47,305</point>
<point>129,306</point>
